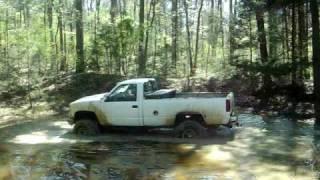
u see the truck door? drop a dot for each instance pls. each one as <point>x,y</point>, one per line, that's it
<point>121,107</point>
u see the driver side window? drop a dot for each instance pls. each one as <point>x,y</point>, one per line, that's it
<point>126,92</point>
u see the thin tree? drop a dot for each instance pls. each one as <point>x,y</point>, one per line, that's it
<point>250,37</point>
<point>141,55</point>
<point>231,39</point>
<point>316,56</point>
<point>197,38</point>
<point>95,62</point>
<point>150,25</point>
<point>293,45</point>
<point>303,40</point>
<point>262,44</point>
<point>114,10</point>
<point>220,7</point>
<point>286,33</point>
<point>174,34</point>
<point>61,35</point>
<point>6,55</point>
<point>50,24</point>
<point>188,38</point>
<point>115,54</point>
<point>80,64</point>
<point>273,34</point>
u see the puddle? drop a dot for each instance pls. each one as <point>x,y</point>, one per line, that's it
<point>274,148</point>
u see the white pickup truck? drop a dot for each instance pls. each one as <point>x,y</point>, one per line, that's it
<point>139,103</point>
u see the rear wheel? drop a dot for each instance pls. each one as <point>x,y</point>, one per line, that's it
<point>190,129</point>
<point>86,127</point>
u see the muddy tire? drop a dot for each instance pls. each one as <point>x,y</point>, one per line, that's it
<point>190,129</point>
<point>86,127</point>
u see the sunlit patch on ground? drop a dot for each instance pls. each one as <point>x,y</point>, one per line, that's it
<point>50,134</point>
<point>62,125</point>
<point>5,172</point>
<point>214,153</point>
<point>36,138</point>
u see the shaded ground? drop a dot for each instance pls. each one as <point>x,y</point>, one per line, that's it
<point>269,148</point>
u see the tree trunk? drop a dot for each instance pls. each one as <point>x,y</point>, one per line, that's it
<point>95,64</point>
<point>134,9</point>
<point>60,26</point>
<point>235,8</point>
<point>263,45</point>
<point>124,8</point>
<point>316,56</point>
<point>293,45</point>
<point>153,9</point>
<point>80,64</point>
<point>141,55</point>
<point>115,54</point>
<point>174,33</point>
<point>155,45</point>
<point>188,38</point>
<point>207,60</point>
<point>220,5</point>
<point>231,39</point>
<point>114,10</point>
<point>250,39</point>
<point>286,29</point>
<point>71,36</point>
<point>213,36</point>
<point>303,41</point>
<point>273,34</point>
<point>6,55</point>
<point>65,51</point>
<point>166,56</point>
<point>50,24</point>
<point>98,2</point>
<point>197,38</point>
<point>26,15</point>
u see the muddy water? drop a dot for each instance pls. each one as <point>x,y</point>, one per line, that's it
<point>263,148</point>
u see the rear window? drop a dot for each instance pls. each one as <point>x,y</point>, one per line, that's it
<point>150,87</point>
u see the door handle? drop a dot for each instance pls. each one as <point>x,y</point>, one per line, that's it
<point>135,106</point>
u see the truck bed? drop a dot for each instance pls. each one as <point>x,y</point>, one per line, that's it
<point>171,93</point>
<point>201,95</point>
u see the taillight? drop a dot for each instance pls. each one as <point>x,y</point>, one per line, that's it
<point>228,105</point>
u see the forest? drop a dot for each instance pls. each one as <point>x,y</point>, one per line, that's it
<point>271,46</point>
<point>54,52</point>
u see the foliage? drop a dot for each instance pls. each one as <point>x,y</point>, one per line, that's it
<point>228,45</point>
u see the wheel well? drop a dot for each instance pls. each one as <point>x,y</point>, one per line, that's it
<point>180,117</point>
<point>85,115</point>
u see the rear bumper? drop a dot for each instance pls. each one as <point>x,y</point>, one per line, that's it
<point>234,121</point>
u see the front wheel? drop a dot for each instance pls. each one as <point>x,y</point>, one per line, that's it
<point>190,129</point>
<point>86,127</point>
